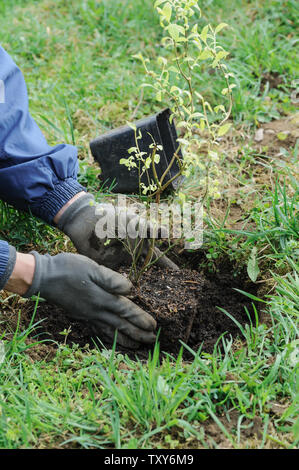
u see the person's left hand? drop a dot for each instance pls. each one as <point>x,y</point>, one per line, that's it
<point>92,293</point>
<point>87,225</point>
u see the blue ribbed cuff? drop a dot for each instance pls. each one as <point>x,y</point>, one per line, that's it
<point>49,205</point>
<point>4,255</point>
<point>8,256</point>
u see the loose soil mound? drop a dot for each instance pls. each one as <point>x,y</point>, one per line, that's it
<point>184,304</point>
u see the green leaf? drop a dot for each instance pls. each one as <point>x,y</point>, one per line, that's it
<point>220,27</point>
<point>282,135</point>
<point>204,33</point>
<point>174,88</point>
<point>138,56</point>
<point>145,85</point>
<point>218,108</point>
<point>197,115</point>
<point>295,429</point>
<point>206,54</point>
<point>175,30</point>
<point>159,96</point>
<point>220,55</point>
<point>224,129</point>
<point>251,296</point>
<point>252,265</point>
<point>157,158</point>
<point>162,60</point>
<point>167,11</point>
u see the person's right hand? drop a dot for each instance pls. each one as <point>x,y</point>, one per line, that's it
<point>87,291</point>
<point>82,222</point>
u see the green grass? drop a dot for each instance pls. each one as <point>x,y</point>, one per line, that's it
<point>82,80</point>
<point>275,237</point>
<point>80,53</point>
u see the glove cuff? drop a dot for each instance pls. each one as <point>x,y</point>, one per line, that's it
<point>36,283</point>
<point>74,211</point>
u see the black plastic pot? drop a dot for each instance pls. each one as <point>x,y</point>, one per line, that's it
<point>110,147</point>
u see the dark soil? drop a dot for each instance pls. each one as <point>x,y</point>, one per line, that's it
<point>273,79</point>
<point>184,304</point>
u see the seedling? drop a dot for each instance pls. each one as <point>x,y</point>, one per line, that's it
<point>188,49</point>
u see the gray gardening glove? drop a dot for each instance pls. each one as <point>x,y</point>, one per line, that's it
<point>83,220</point>
<point>96,294</point>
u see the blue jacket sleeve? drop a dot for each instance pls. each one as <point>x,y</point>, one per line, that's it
<point>7,262</point>
<point>4,256</point>
<point>33,175</point>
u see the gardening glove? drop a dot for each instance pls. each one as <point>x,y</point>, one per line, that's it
<point>87,291</point>
<point>81,222</point>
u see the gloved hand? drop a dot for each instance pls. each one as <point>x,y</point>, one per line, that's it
<point>87,291</point>
<point>81,222</point>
